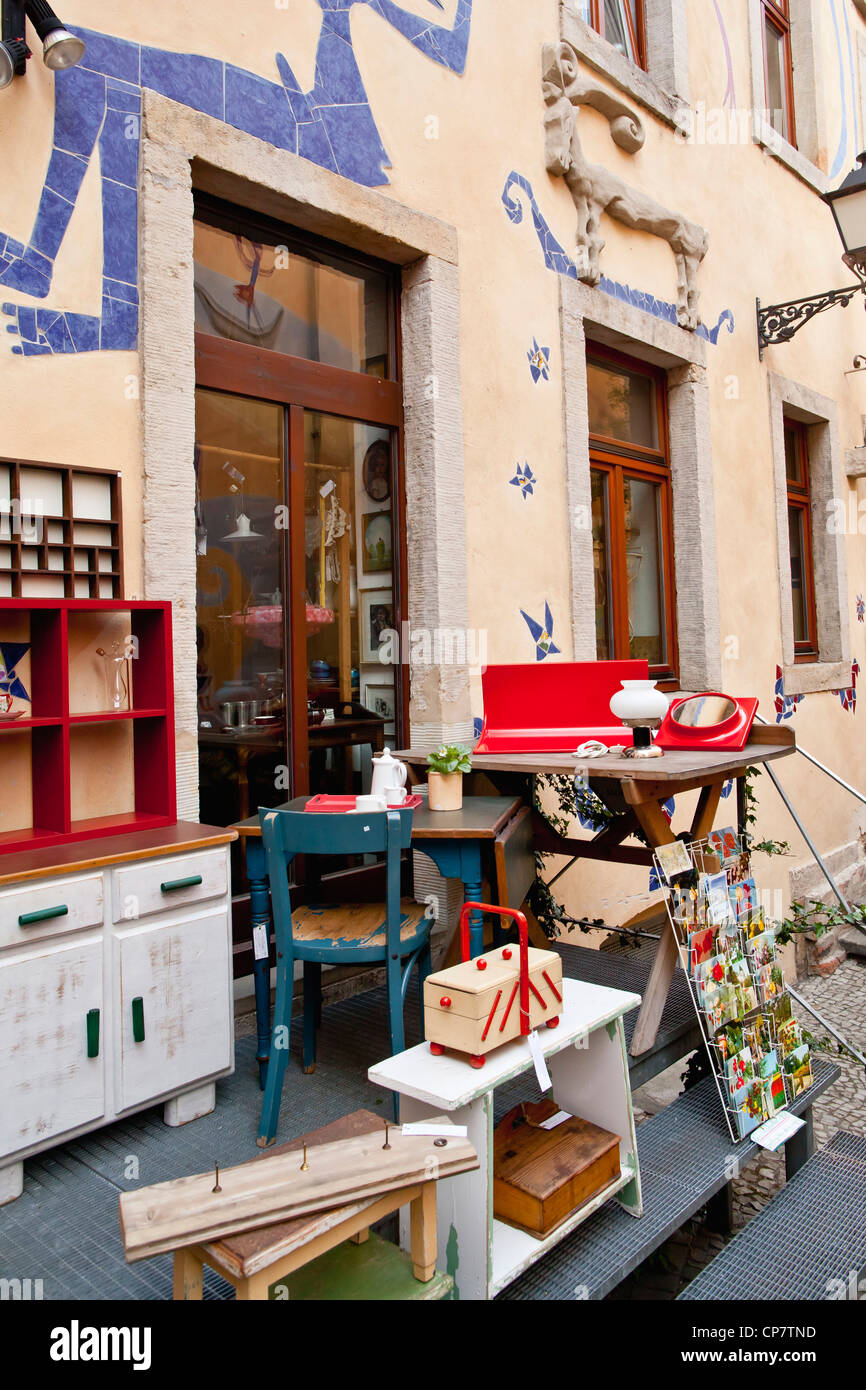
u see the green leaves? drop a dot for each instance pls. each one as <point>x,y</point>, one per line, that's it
<point>451,757</point>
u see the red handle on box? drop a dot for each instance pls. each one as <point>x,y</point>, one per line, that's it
<point>523,932</point>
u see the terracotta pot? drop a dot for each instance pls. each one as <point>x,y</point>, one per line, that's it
<point>445,790</point>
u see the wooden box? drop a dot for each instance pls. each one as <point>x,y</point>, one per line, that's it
<point>475,1006</point>
<point>541,1176</point>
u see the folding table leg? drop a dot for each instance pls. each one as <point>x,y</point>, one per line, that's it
<point>187,1274</point>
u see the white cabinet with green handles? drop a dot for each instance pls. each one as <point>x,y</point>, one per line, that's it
<point>115,987</point>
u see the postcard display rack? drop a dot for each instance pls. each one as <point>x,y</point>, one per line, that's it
<point>727,949</point>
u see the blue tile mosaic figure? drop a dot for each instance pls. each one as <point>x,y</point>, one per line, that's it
<point>99,102</point>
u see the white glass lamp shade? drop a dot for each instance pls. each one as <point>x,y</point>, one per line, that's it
<point>639,702</point>
<point>243,531</point>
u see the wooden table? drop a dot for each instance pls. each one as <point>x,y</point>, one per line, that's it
<point>635,790</point>
<point>454,840</point>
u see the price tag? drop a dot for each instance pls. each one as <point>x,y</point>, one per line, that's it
<point>431,1130</point>
<point>260,943</point>
<point>558,1119</point>
<point>541,1071</point>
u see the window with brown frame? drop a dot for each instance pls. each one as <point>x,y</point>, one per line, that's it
<point>301,563</point>
<point>621,23</point>
<point>778,68</point>
<point>800,541</point>
<point>632,529</point>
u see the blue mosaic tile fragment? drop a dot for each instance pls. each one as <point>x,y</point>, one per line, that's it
<point>261,108</point>
<point>313,144</point>
<point>118,58</point>
<point>116,289</point>
<point>79,103</point>
<point>118,149</point>
<point>119,232</point>
<point>186,78</point>
<point>119,325</point>
<point>65,174</point>
<point>85,331</point>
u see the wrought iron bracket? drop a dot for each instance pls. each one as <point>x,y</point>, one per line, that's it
<point>777,323</point>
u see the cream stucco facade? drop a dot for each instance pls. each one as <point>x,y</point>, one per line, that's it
<point>467,153</point>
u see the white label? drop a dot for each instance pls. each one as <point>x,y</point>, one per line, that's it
<point>260,943</point>
<point>773,1133</point>
<point>432,1130</point>
<point>558,1119</point>
<point>541,1071</point>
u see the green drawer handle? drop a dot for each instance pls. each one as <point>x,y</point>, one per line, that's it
<point>93,1033</point>
<point>175,884</point>
<point>138,1019</point>
<point>43,915</point>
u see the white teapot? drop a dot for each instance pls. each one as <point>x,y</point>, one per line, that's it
<point>388,774</point>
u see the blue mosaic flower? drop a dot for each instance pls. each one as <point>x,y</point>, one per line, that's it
<point>524,479</point>
<point>539,362</point>
<point>861,609</point>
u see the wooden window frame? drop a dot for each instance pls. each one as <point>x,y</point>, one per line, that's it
<point>799,498</point>
<point>618,461</point>
<point>637,36</point>
<point>776,13</point>
<point>299,384</point>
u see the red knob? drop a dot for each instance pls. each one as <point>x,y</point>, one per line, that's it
<point>506,953</point>
<point>445,1002</point>
<point>482,964</point>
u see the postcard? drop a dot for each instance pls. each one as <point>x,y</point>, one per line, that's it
<point>739,1073</point>
<point>761,949</point>
<point>673,859</point>
<point>725,844</point>
<point>715,891</point>
<point>775,1096</point>
<point>771,982</point>
<point>702,946</point>
<point>751,1113</point>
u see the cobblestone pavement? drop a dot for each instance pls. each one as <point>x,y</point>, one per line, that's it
<point>841,999</point>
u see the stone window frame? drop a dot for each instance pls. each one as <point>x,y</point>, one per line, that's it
<point>590,314</point>
<point>810,117</point>
<point>663,86</point>
<point>182,149</point>
<point>832,669</point>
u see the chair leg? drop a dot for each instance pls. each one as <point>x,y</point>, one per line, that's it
<point>395,1016</point>
<point>312,1008</point>
<point>279,1057</point>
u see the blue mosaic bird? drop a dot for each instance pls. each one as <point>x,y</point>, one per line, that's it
<point>524,479</point>
<point>542,636</point>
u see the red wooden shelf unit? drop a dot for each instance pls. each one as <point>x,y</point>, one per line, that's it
<point>58,734</point>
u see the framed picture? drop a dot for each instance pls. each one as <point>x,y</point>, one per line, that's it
<point>376,471</point>
<point>377,616</point>
<point>376,542</point>
<point>380,700</point>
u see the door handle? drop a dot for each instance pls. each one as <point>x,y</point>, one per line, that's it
<point>43,915</point>
<point>174,884</point>
<point>93,1032</point>
<point>138,1019</point>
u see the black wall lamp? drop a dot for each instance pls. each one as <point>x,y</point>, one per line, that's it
<point>777,323</point>
<point>60,49</point>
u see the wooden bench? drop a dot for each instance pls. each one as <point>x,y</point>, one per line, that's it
<point>308,1256</point>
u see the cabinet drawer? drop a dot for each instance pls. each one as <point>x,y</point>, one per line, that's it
<point>162,885</point>
<point>35,911</point>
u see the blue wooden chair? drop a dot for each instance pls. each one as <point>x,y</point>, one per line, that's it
<point>336,933</point>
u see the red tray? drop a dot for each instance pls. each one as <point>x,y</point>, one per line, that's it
<point>324,802</point>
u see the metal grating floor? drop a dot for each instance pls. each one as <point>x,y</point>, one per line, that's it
<point>809,1243</point>
<point>685,1155</point>
<point>64,1228</point>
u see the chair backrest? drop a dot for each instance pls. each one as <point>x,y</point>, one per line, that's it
<point>287,833</point>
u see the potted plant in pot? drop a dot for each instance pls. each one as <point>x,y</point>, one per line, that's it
<point>445,776</point>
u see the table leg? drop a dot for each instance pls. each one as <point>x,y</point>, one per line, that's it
<point>800,1146</point>
<point>422,1218</point>
<point>460,859</point>
<point>260,924</point>
<point>187,1274</point>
